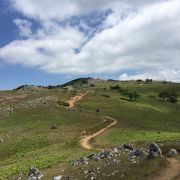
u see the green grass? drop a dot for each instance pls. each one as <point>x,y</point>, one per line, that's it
<point>147,119</point>
<point>142,136</point>
<point>147,113</point>
<point>24,166</point>
<point>29,141</point>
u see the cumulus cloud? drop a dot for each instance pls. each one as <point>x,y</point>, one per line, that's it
<point>166,74</point>
<point>24,27</point>
<point>54,51</point>
<point>60,9</point>
<point>141,36</point>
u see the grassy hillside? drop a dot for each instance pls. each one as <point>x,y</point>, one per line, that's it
<point>148,118</point>
<point>27,118</point>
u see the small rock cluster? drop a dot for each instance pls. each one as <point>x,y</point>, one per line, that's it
<point>34,174</point>
<point>108,158</point>
<point>57,178</point>
<point>6,110</point>
<point>172,152</point>
<point>154,151</point>
<point>107,154</point>
<point>54,126</point>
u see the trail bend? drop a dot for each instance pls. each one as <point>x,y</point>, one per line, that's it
<point>85,140</point>
<point>73,100</point>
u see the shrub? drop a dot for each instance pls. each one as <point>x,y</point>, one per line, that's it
<point>149,81</point>
<point>169,96</point>
<point>115,87</point>
<point>92,85</point>
<point>62,103</point>
<point>163,95</point>
<point>133,96</point>
<point>172,99</point>
<point>139,80</point>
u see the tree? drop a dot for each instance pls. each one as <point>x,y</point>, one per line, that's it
<point>139,80</point>
<point>169,96</point>
<point>172,99</point>
<point>149,81</point>
<point>163,95</point>
<point>164,82</point>
<point>133,96</point>
<point>173,94</point>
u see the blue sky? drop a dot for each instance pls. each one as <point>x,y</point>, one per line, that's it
<point>51,42</point>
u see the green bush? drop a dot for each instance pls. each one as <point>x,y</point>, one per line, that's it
<point>115,87</point>
<point>62,103</point>
<point>168,96</point>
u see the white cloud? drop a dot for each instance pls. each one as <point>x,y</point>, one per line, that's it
<point>24,27</point>
<point>53,51</point>
<point>61,9</point>
<point>137,35</point>
<point>166,74</point>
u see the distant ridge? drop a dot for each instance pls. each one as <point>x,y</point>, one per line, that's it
<point>84,81</point>
<point>78,81</point>
<point>28,88</point>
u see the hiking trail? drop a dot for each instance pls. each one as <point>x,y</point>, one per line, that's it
<point>85,140</point>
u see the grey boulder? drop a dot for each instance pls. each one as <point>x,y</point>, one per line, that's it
<point>34,174</point>
<point>172,152</point>
<point>154,151</point>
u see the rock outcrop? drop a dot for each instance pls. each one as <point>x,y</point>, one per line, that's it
<point>154,151</point>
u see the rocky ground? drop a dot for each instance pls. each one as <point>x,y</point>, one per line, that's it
<point>33,103</point>
<point>105,164</point>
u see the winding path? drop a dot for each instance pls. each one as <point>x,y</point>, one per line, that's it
<point>75,99</point>
<point>85,141</point>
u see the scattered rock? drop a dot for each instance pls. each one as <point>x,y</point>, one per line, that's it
<point>54,127</point>
<point>1,140</point>
<point>128,146</point>
<point>34,174</point>
<point>115,150</point>
<point>57,178</point>
<point>136,153</point>
<point>109,158</point>
<point>154,151</point>
<point>172,152</point>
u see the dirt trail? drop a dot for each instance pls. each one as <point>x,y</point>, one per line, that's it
<point>85,141</point>
<point>171,171</point>
<point>75,99</point>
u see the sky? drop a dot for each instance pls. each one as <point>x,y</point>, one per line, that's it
<point>50,42</point>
